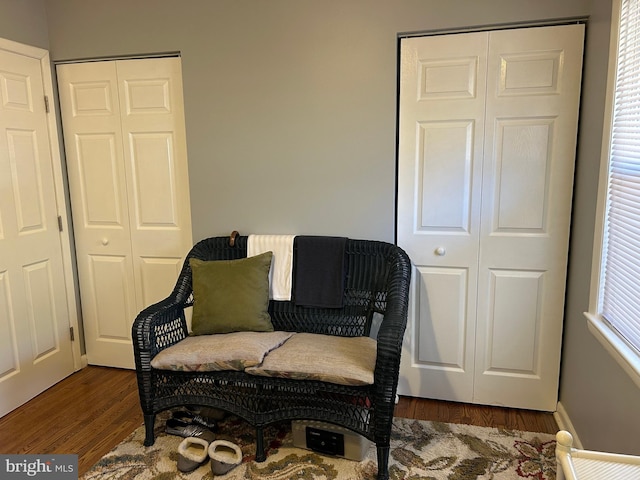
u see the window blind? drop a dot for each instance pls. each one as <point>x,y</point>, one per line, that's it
<point>620,296</point>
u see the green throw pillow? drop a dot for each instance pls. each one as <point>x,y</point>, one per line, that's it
<point>231,295</point>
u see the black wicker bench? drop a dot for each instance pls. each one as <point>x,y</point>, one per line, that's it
<point>376,290</point>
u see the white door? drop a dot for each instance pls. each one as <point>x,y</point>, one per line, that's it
<point>35,343</point>
<point>125,143</point>
<point>490,252</point>
<point>442,109</point>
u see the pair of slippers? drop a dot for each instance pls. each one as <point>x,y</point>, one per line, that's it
<point>194,451</point>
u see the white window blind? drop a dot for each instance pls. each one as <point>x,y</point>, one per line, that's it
<point>620,294</point>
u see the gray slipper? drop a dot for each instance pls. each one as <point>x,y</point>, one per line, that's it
<point>224,456</point>
<point>192,452</point>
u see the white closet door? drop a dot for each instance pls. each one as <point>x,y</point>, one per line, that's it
<point>97,183</point>
<point>442,107</point>
<point>35,343</point>
<point>126,155</point>
<point>533,95</point>
<point>492,334</point>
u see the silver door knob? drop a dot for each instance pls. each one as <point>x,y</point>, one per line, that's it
<point>441,251</point>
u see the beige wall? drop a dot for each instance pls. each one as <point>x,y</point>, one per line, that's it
<point>291,118</point>
<point>24,21</point>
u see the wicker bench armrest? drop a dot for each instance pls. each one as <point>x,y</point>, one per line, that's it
<point>394,322</point>
<point>390,338</point>
<point>156,328</point>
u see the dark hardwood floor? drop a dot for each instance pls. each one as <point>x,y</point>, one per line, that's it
<point>94,409</point>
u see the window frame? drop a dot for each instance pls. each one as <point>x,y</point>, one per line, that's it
<point>626,356</point>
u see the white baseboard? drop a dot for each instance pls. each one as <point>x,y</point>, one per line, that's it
<point>564,423</point>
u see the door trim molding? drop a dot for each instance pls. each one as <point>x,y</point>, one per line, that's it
<point>58,177</point>
<point>118,57</point>
<point>22,49</point>
<point>497,26</point>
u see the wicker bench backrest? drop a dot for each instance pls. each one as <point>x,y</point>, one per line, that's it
<point>368,264</point>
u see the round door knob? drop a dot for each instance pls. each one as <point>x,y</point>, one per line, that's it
<point>441,251</point>
<point>105,241</point>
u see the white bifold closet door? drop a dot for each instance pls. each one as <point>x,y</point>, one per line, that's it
<point>125,145</point>
<point>488,124</point>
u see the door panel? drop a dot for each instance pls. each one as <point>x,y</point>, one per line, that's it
<point>23,162</point>
<point>512,345</point>
<point>441,346</point>
<point>521,174</point>
<point>152,166</point>
<point>439,177</point>
<point>112,295</point>
<point>451,140</point>
<point>443,301</point>
<point>97,185</point>
<point>99,191</point>
<point>156,275</point>
<point>35,346</point>
<point>41,309</point>
<point>8,339</point>
<point>530,139</point>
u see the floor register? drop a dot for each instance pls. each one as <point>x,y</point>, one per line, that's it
<point>329,439</point>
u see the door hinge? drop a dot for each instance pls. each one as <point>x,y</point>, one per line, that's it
<point>72,335</point>
<point>46,103</point>
<point>59,223</point>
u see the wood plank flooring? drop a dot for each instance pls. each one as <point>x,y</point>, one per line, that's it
<point>480,415</point>
<point>87,413</point>
<point>94,409</point>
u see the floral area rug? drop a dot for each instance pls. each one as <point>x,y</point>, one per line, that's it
<point>419,450</point>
